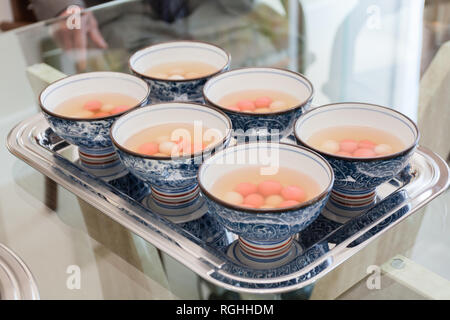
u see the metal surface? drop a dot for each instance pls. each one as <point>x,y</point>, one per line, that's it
<point>16,280</point>
<point>431,178</point>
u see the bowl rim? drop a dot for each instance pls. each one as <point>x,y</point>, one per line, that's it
<point>56,115</point>
<point>227,63</point>
<point>365,159</point>
<point>296,107</point>
<point>304,204</point>
<point>187,156</point>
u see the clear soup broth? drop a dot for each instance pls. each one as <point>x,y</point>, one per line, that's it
<point>173,139</point>
<point>247,187</point>
<point>95,105</point>
<point>356,141</point>
<point>180,70</point>
<point>258,101</point>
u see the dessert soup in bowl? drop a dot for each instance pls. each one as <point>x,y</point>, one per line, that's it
<point>262,103</point>
<point>367,145</point>
<point>266,229</point>
<point>81,109</point>
<point>178,70</point>
<point>167,164</point>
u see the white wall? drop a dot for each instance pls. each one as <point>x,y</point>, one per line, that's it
<point>365,51</point>
<point>5,10</point>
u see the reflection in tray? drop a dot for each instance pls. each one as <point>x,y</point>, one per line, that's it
<point>207,247</point>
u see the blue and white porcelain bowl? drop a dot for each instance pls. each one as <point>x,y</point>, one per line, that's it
<point>164,90</point>
<point>91,135</point>
<point>357,178</point>
<point>249,126</point>
<point>266,235</point>
<point>173,180</point>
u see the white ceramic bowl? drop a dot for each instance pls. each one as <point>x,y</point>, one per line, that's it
<point>264,231</point>
<point>357,178</point>
<point>91,135</point>
<point>173,180</point>
<point>273,125</point>
<point>164,90</point>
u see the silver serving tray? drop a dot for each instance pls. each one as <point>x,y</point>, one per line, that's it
<point>326,244</point>
<point>16,280</point>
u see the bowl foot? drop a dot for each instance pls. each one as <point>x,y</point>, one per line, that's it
<point>264,255</point>
<point>343,206</point>
<point>177,206</point>
<point>103,163</point>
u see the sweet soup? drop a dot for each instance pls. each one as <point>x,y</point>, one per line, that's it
<point>173,139</point>
<point>356,141</point>
<point>95,105</point>
<point>180,70</point>
<point>246,187</point>
<point>258,101</point>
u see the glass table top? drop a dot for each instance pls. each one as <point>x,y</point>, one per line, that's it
<point>351,51</point>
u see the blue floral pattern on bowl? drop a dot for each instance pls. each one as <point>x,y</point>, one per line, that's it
<point>167,91</point>
<point>86,134</point>
<point>271,127</point>
<point>360,176</point>
<point>173,174</point>
<point>266,226</point>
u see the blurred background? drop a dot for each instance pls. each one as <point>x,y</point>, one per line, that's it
<point>359,50</point>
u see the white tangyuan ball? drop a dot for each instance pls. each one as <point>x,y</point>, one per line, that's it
<point>107,108</point>
<point>274,200</point>
<point>330,146</point>
<point>176,71</point>
<point>176,77</point>
<point>382,149</point>
<point>233,197</point>
<point>169,148</point>
<point>277,105</point>
<point>161,139</point>
<point>263,110</point>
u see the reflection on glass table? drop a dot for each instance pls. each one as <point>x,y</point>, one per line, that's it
<point>366,63</point>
